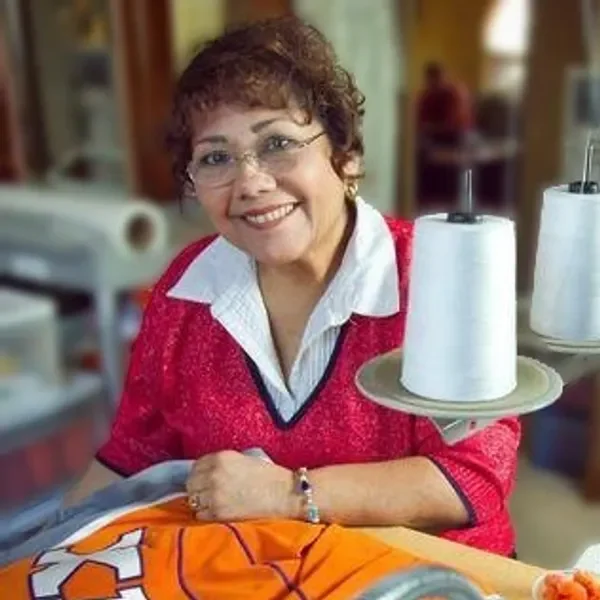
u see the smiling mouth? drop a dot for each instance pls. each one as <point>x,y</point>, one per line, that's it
<point>271,217</point>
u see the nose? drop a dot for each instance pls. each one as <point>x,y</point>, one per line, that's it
<point>251,181</point>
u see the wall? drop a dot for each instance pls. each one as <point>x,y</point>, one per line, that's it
<point>58,104</point>
<point>543,114</point>
<point>194,22</point>
<point>245,11</point>
<point>12,157</point>
<point>450,32</point>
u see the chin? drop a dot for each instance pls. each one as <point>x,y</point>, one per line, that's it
<point>280,255</point>
<point>279,259</point>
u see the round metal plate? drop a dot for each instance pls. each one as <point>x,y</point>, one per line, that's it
<point>538,386</point>
<point>566,346</point>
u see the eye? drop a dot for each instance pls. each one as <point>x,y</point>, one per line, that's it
<point>279,143</point>
<point>215,158</point>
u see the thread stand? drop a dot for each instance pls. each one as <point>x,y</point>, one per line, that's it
<point>586,185</point>
<point>467,212</point>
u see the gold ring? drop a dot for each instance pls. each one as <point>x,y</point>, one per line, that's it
<point>197,505</point>
<point>194,502</point>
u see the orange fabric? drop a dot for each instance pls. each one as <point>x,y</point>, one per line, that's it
<point>161,552</point>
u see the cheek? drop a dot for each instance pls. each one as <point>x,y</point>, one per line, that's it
<point>314,182</point>
<point>215,202</point>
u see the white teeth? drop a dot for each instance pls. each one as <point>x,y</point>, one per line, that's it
<point>274,215</point>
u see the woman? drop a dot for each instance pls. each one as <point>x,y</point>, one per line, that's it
<point>252,338</point>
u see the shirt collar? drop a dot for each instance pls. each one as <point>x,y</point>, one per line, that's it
<point>366,282</point>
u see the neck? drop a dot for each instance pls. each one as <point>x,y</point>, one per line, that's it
<point>320,265</point>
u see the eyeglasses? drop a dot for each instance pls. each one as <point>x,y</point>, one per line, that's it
<point>276,154</point>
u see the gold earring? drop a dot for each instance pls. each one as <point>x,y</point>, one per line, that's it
<point>351,191</point>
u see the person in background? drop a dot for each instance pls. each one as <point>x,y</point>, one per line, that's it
<point>444,121</point>
<point>444,106</point>
<point>250,343</point>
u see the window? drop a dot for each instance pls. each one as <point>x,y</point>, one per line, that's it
<point>507,28</point>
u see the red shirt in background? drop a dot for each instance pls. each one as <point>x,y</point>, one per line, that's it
<point>445,108</point>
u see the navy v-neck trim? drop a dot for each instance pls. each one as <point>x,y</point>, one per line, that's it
<point>267,399</point>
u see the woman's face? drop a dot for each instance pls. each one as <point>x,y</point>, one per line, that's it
<point>280,207</point>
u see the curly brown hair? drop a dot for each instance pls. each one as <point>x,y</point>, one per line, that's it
<point>275,63</point>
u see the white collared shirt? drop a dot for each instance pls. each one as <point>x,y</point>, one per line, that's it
<point>366,284</point>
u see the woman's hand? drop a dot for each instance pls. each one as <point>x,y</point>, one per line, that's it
<point>229,486</point>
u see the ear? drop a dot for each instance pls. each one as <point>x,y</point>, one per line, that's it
<point>353,167</point>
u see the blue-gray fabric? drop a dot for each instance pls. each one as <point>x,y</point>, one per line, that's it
<point>148,486</point>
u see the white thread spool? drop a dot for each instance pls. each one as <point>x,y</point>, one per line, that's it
<point>460,342</point>
<point>565,304</point>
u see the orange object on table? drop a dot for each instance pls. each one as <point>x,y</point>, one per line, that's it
<point>579,585</point>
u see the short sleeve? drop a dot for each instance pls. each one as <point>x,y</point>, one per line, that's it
<point>481,469</point>
<point>140,436</point>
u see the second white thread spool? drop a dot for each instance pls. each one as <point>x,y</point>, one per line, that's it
<point>565,304</point>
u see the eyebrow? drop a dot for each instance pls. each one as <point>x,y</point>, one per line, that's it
<point>221,139</point>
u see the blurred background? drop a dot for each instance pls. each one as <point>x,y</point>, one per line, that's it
<point>503,86</point>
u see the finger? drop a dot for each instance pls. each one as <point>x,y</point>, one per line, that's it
<point>204,514</point>
<point>215,460</point>
<point>199,480</point>
<point>205,509</point>
<point>203,479</point>
<point>198,484</point>
<point>207,462</point>
<point>198,501</point>
<point>203,469</point>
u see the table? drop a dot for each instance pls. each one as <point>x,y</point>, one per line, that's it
<point>509,578</point>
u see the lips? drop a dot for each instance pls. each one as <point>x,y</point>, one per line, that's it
<point>269,215</point>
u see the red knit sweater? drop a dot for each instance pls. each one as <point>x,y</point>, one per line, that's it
<point>191,390</point>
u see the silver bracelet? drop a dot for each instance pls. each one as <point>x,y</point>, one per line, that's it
<point>305,488</point>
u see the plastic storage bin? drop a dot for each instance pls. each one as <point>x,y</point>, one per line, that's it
<point>50,421</point>
<point>47,439</point>
<point>29,348</point>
